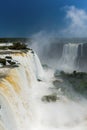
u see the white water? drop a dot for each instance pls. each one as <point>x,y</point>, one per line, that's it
<point>38,68</point>
<point>81,49</point>
<point>65,114</point>
<point>21,105</point>
<point>67,61</point>
<point>14,88</point>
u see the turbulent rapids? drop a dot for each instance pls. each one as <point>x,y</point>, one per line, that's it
<point>23,92</point>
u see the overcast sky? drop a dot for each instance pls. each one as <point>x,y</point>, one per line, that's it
<point>22,18</point>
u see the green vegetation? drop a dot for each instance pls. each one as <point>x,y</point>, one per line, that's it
<point>57,73</point>
<point>57,84</point>
<point>18,46</point>
<point>7,40</point>
<point>50,98</point>
<point>15,46</point>
<point>45,66</point>
<point>3,47</point>
<point>78,80</point>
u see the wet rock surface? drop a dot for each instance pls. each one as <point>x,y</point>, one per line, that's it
<point>50,98</point>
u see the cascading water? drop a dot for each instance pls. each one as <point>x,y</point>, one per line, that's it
<point>21,105</point>
<point>14,91</point>
<point>81,49</point>
<point>69,55</point>
<point>38,68</point>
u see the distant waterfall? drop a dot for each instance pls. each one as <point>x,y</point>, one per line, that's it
<point>69,55</point>
<point>38,67</point>
<point>81,49</point>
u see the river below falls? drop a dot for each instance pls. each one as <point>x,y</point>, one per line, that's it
<point>64,114</point>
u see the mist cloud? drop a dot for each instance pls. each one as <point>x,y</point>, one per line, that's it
<point>77,22</point>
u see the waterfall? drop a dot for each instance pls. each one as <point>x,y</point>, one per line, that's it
<point>15,85</point>
<point>21,105</point>
<point>81,49</point>
<point>38,67</point>
<point>69,55</point>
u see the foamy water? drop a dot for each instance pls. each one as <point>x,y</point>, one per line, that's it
<point>64,114</point>
<point>21,107</point>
